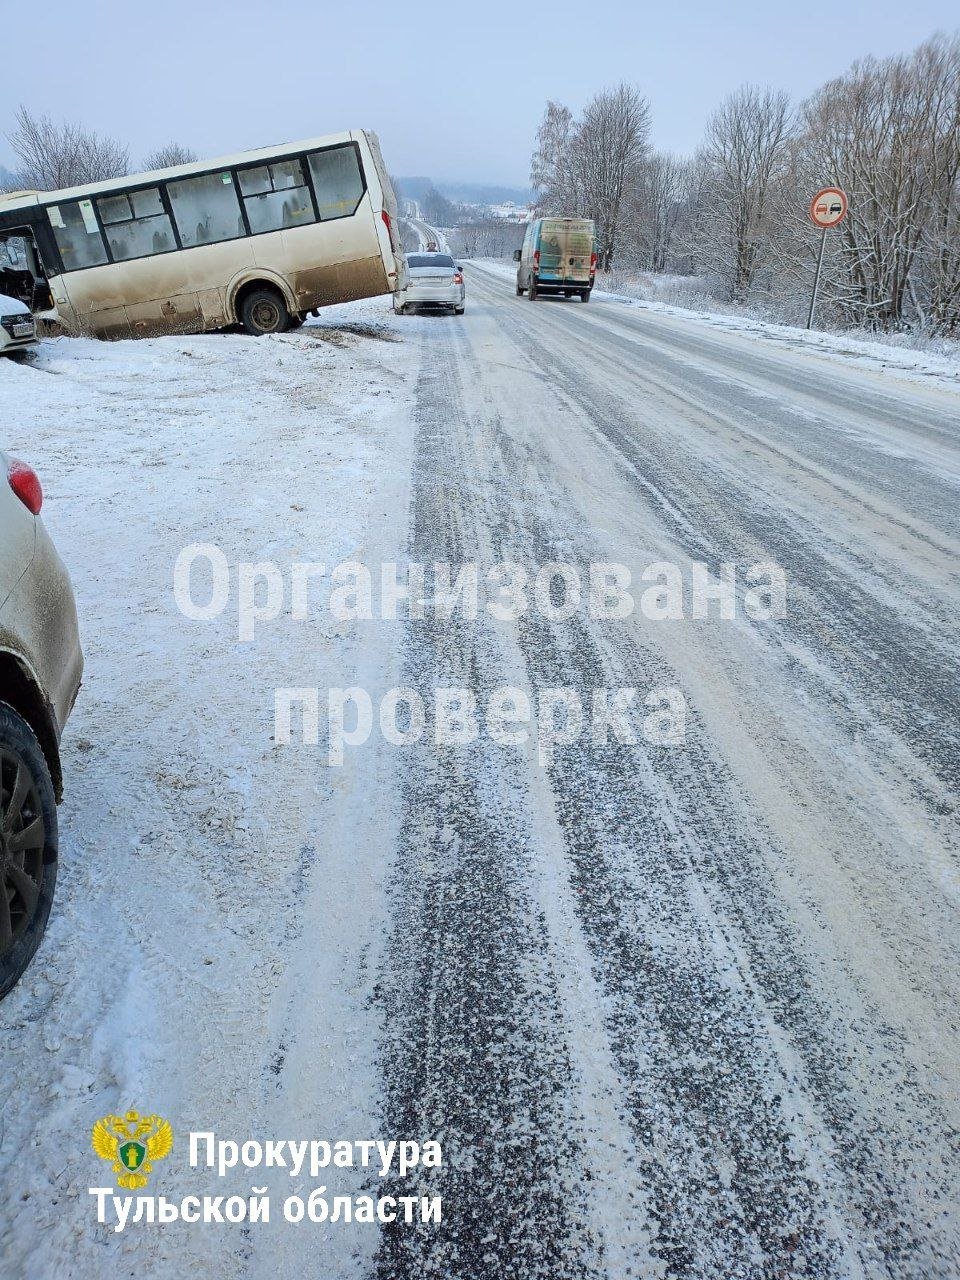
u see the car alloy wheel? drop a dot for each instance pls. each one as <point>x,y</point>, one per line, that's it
<point>23,837</point>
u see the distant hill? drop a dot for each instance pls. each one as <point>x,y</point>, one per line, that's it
<point>469,192</point>
<point>484,193</point>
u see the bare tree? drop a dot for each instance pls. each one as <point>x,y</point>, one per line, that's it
<point>937,293</point>
<point>654,210</point>
<point>607,151</point>
<point>165,157</point>
<point>54,155</point>
<point>744,160</point>
<point>888,132</point>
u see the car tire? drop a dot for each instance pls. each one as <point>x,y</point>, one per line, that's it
<point>28,866</point>
<point>264,311</point>
<point>458,311</point>
<point>532,290</point>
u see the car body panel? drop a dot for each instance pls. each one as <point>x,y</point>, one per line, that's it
<point>38,615</point>
<point>15,318</point>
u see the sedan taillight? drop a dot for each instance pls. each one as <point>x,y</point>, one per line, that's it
<point>458,277</point>
<point>25,483</point>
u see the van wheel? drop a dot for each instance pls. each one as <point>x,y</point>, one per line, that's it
<point>28,846</point>
<point>264,311</point>
<point>532,290</point>
<point>584,295</point>
<point>519,287</point>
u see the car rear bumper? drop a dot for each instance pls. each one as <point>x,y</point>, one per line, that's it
<point>440,295</point>
<point>548,284</point>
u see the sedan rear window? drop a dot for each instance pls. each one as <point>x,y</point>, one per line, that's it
<point>429,260</point>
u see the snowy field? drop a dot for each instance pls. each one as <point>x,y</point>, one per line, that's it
<point>682,1014</point>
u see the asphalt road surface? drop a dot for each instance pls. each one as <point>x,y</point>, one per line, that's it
<point>683,1011</point>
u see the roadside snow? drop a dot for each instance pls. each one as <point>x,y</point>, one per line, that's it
<point>189,844</point>
<point>927,367</point>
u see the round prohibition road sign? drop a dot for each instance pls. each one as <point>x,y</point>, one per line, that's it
<point>828,208</point>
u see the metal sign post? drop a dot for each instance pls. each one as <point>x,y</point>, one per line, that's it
<point>828,208</point>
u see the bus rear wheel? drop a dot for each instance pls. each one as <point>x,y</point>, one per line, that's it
<point>264,311</point>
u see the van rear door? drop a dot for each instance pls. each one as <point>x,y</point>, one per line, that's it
<point>553,240</point>
<point>579,250</point>
<point>566,246</point>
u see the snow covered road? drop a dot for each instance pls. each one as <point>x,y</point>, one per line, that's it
<point>680,1011</point>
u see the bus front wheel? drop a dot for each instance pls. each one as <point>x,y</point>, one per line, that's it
<point>264,311</point>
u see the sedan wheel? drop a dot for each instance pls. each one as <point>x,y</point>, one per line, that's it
<point>28,846</point>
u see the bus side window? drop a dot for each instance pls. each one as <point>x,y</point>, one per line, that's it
<point>136,224</point>
<point>77,235</point>
<point>276,196</point>
<point>206,209</point>
<point>337,180</point>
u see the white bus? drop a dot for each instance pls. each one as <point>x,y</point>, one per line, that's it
<point>259,239</point>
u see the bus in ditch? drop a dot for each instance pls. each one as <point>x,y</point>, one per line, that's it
<point>260,239</point>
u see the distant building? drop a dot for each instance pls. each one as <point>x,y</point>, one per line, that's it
<point>510,212</point>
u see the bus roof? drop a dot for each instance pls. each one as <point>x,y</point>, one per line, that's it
<point>28,199</point>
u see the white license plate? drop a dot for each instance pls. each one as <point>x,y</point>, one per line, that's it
<point>22,330</point>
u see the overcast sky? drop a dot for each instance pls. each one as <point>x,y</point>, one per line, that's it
<point>454,90</point>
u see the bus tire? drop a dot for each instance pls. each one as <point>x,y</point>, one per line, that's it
<point>264,311</point>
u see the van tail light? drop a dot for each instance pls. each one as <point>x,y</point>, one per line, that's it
<point>593,262</point>
<point>458,277</point>
<point>389,225</point>
<point>536,257</point>
<point>25,483</point>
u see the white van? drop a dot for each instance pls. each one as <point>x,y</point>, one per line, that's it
<point>558,256</point>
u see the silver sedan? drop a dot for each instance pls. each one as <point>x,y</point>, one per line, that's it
<point>434,280</point>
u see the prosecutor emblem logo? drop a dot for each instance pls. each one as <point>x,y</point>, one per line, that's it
<point>132,1143</point>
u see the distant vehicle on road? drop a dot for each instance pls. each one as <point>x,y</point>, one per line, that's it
<point>558,256</point>
<point>432,246</point>
<point>433,279</point>
<point>18,328</point>
<point>40,668</point>
<point>261,238</point>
